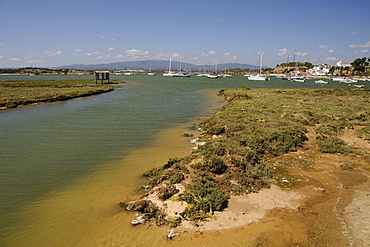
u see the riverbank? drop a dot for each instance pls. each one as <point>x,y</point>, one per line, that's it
<point>305,152</point>
<point>19,93</point>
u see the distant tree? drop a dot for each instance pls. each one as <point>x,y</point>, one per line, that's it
<point>361,62</point>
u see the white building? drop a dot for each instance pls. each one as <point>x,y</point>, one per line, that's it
<point>342,65</point>
<point>319,70</point>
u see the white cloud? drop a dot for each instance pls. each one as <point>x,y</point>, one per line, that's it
<point>230,56</point>
<point>88,54</point>
<point>332,59</point>
<point>354,32</point>
<point>366,45</point>
<point>161,56</point>
<point>1,56</point>
<point>51,53</point>
<point>331,51</point>
<point>204,54</point>
<point>282,52</point>
<point>111,49</point>
<point>136,53</point>
<point>78,50</point>
<point>362,51</point>
<point>104,57</point>
<point>324,47</point>
<point>212,53</point>
<point>14,59</point>
<point>34,61</point>
<point>301,54</point>
<point>1,43</point>
<point>119,56</point>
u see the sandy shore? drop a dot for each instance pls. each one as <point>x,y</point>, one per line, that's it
<point>328,206</point>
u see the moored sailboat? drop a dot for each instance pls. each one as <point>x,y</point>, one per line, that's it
<point>259,76</point>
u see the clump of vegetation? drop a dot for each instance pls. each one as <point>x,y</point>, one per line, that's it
<point>177,178</point>
<point>333,145</point>
<point>166,192</point>
<point>346,166</point>
<point>364,133</point>
<point>149,210</point>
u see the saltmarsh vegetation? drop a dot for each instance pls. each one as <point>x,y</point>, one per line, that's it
<point>240,139</point>
<point>15,93</point>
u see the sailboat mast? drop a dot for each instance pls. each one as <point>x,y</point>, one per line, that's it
<point>261,64</point>
<point>169,68</point>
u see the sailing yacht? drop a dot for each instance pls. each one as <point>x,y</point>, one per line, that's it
<point>169,70</point>
<point>150,71</point>
<point>258,77</point>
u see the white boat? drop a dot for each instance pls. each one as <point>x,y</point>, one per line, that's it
<point>259,77</point>
<point>321,82</point>
<point>179,74</point>
<point>299,79</point>
<point>359,86</point>
<point>212,76</point>
<point>344,80</point>
<point>128,73</point>
<point>169,70</point>
<point>150,71</point>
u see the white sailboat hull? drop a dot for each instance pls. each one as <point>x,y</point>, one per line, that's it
<point>258,78</point>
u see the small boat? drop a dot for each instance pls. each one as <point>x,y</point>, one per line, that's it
<point>258,77</point>
<point>169,70</point>
<point>212,76</point>
<point>321,82</point>
<point>299,79</point>
<point>128,73</point>
<point>359,86</point>
<point>150,71</point>
<point>179,74</point>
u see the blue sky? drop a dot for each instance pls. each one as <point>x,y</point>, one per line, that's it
<point>50,33</point>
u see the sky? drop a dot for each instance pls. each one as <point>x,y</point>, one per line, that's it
<point>52,33</point>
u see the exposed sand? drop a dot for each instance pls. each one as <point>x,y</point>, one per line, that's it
<point>244,210</point>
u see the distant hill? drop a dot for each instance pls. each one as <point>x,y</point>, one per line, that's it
<point>155,65</point>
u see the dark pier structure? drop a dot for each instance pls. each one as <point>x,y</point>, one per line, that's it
<point>102,76</point>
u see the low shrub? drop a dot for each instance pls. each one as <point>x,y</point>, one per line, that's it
<point>346,166</point>
<point>215,165</point>
<point>177,178</point>
<point>333,145</point>
<point>166,192</point>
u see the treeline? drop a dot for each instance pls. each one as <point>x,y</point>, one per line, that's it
<point>35,70</point>
<point>307,65</point>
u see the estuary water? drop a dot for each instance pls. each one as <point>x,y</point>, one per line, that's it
<point>65,166</point>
